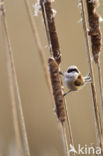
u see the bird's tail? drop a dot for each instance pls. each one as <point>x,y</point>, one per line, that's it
<point>87,78</point>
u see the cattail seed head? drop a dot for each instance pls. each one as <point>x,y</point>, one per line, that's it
<point>57,90</point>
<point>94,28</point>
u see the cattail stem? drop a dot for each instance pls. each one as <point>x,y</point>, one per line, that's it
<point>65,140</point>
<point>69,126</point>
<point>13,80</point>
<point>100,83</point>
<point>94,97</point>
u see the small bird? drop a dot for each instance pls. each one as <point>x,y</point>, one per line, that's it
<point>74,80</point>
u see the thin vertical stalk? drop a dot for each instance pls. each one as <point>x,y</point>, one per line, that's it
<point>11,86</point>
<point>11,68</point>
<point>69,126</point>
<point>38,42</point>
<point>66,140</point>
<point>93,90</point>
<point>100,83</point>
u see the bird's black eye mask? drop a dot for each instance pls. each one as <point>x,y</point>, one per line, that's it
<point>71,70</point>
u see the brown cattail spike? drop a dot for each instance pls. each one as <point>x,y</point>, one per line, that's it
<point>94,29</point>
<point>52,29</point>
<point>57,91</point>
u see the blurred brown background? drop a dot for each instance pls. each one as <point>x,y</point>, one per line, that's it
<point>43,132</point>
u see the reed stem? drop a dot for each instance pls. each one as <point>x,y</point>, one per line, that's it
<point>100,83</point>
<point>65,140</point>
<point>10,80</point>
<point>41,52</point>
<point>14,91</point>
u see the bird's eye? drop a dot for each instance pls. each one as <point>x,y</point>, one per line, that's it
<point>72,70</point>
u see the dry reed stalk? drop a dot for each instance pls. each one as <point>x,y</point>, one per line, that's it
<point>38,44</point>
<point>94,97</point>
<point>14,91</point>
<point>95,35</point>
<point>10,79</point>
<point>52,37</point>
<point>100,84</point>
<point>65,140</point>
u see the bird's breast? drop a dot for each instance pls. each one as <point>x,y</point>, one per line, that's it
<point>74,85</point>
